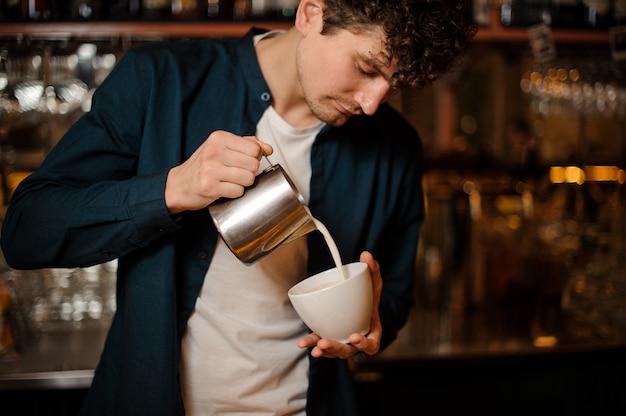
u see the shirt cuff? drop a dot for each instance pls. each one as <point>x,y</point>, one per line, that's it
<point>147,204</point>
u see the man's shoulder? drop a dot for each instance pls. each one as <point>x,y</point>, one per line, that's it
<point>192,50</point>
<point>187,61</point>
<point>195,49</point>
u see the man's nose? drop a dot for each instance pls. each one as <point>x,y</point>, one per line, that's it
<point>372,95</point>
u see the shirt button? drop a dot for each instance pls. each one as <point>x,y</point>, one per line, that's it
<point>266,96</point>
<point>202,255</point>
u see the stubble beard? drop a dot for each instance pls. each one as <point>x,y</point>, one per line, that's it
<point>326,112</point>
<point>323,109</point>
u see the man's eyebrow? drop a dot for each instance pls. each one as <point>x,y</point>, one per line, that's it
<point>377,64</point>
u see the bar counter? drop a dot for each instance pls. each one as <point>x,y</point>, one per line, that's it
<point>53,360</point>
<point>495,364</point>
<point>496,372</point>
<point>66,359</point>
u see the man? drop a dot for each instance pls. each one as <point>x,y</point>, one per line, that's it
<point>175,127</point>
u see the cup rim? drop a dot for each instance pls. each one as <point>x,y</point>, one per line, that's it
<point>354,269</point>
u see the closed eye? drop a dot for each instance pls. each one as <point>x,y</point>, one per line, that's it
<point>366,71</point>
<point>369,66</point>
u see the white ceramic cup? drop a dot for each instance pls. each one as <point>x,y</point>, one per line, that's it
<point>334,308</point>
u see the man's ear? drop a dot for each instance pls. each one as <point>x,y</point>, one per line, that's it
<point>309,16</point>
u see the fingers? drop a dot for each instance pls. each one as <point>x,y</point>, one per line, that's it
<point>323,347</point>
<point>367,258</point>
<point>238,161</point>
<point>266,148</point>
<point>308,341</point>
<point>332,349</point>
<point>371,343</point>
<point>243,152</point>
<point>223,166</point>
<point>251,146</point>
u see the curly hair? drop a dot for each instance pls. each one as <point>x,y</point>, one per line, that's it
<point>425,36</point>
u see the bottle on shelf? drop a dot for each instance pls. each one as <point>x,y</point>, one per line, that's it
<point>186,9</point>
<point>220,9</point>
<point>480,12</point>
<point>597,13</point>
<point>156,9</point>
<point>273,9</point>
<point>285,9</point>
<point>36,10</point>
<point>525,12</point>
<point>241,9</point>
<point>85,10</point>
<point>619,12</point>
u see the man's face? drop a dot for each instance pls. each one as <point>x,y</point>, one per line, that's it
<point>343,74</point>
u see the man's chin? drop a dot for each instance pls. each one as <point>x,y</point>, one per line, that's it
<point>330,116</point>
<point>336,121</point>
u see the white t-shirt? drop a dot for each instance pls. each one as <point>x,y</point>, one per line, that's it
<point>239,353</point>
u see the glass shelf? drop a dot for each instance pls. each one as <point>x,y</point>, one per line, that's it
<point>139,28</point>
<point>492,34</point>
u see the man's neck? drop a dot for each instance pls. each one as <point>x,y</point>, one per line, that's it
<point>277,58</point>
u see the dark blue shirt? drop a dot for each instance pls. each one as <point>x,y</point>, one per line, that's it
<point>99,195</point>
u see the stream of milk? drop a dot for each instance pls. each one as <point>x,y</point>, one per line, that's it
<point>334,251</point>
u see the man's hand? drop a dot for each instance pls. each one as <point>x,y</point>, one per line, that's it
<point>221,167</point>
<point>370,343</point>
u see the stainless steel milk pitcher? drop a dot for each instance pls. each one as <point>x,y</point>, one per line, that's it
<point>269,213</point>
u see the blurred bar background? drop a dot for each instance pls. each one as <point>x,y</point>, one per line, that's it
<point>521,283</point>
